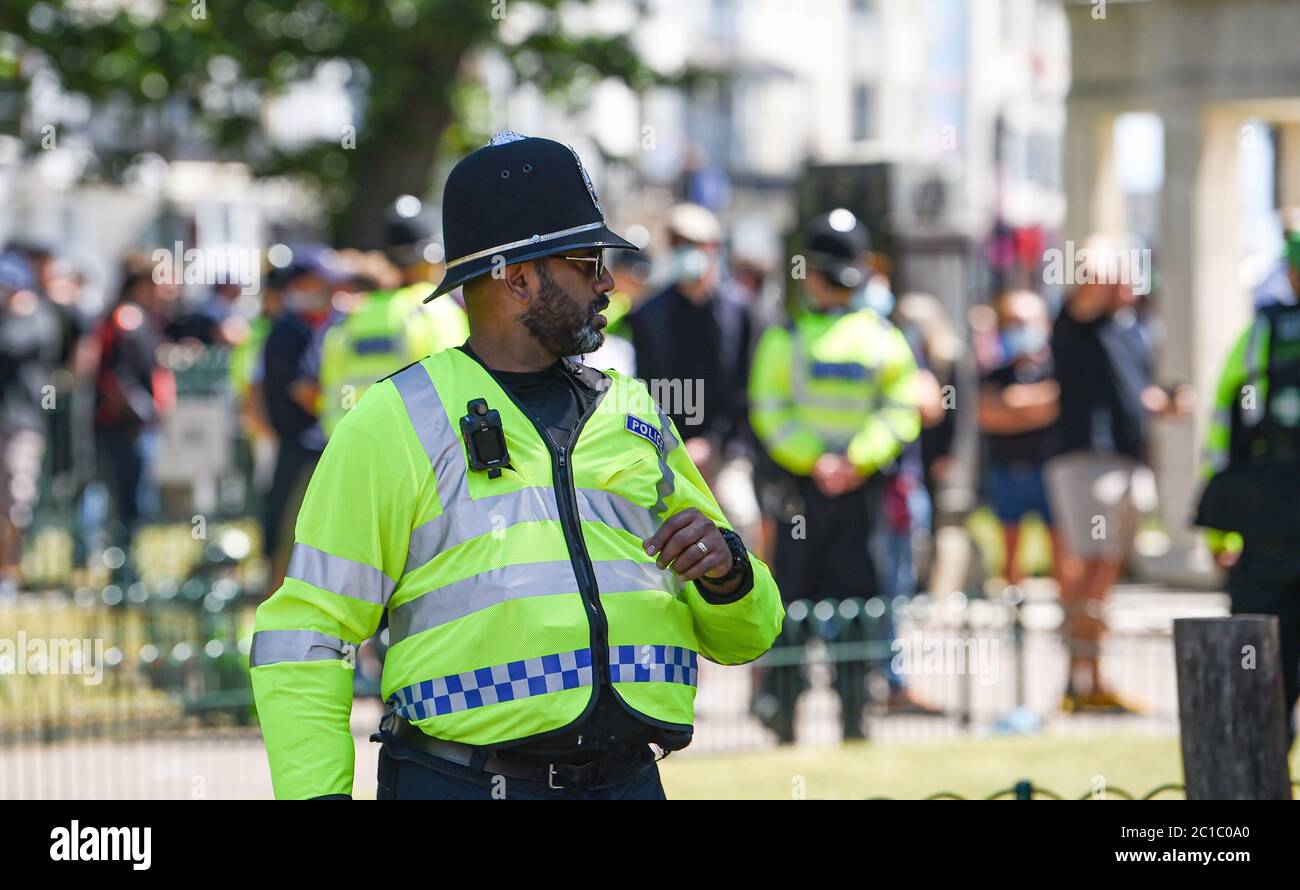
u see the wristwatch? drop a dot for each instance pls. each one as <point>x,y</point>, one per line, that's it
<point>739,558</point>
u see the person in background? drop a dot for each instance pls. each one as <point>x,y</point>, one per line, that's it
<point>923,319</point>
<point>309,283</point>
<point>901,506</point>
<point>30,345</point>
<point>1098,482</point>
<point>631,273</point>
<point>387,327</point>
<point>1019,401</point>
<point>692,341</point>
<point>132,390</point>
<point>833,402</point>
<point>207,322</point>
<point>1252,473</point>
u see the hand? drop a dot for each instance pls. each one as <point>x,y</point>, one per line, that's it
<point>834,474</point>
<point>675,544</point>
<point>1226,559</point>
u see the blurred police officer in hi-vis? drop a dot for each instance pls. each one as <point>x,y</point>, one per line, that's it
<point>833,401</point>
<point>1251,503</point>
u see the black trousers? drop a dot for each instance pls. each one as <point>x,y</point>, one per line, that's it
<point>822,550</point>
<point>1266,581</point>
<point>408,774</point>
<point>293,464</point>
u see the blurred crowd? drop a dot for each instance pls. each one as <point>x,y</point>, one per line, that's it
<point>821,407</point>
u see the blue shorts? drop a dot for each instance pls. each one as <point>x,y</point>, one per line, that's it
<point>1016,490</point>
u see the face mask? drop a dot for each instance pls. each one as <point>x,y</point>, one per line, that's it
<point>1023,340</point>
<point>877,297</point>
<point>306,300</point>
<point>689,264</point>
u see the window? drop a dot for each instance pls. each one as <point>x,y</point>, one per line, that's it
<point>863,113</point>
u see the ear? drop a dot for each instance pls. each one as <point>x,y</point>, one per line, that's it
<point>518,280</point>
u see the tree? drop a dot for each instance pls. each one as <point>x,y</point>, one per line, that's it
<point>174,70</point>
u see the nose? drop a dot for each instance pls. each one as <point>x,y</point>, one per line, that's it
<point>605,283</point>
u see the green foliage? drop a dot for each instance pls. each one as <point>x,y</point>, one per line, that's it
<point>171,70</point>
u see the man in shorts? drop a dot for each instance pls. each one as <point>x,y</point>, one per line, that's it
<point>1098,483</point>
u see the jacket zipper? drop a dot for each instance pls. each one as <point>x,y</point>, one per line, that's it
<point>566,498</point>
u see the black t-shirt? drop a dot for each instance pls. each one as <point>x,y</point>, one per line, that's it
<point>1031,446</point>
<point>289,338</point>
<point>1102,366</point>
<point>681,344</point>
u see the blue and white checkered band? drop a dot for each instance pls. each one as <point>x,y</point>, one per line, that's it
<point>538,676</point>
<point>653,664</point>
<point>639,427</point>
<point>503,137</point>
<point>591,189</point>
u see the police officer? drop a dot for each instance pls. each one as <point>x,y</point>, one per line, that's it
<point>550,561</point>
<point>833,401</point>
<point>1251,503</point>
<point>389,328</point>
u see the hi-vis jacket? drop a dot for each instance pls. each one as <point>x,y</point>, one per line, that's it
<point>1256,406</point>
<point>389,329</point>
<point>840,383</point>
<point>506,598</point>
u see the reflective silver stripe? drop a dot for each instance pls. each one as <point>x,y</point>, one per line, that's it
<point>667,481</point>
<point>522,242</point>
<point>1255,348</point>
<point>274,646</point>
<point>339,575</point>
<point>433,427</point>
<point>465,597</point>
<point>890,424</point>
<point>471,518</point>
<point>838,403</point>
<point>1256,372</point>
<point>887,402</point>
<point>1216,460</point>
<point>468,518</point>
<point>495,586</point>
<point>628,575</point>
<point>616,511</point>
<point>785,431</point>
<point>771,404</point>
<point>798,366</point>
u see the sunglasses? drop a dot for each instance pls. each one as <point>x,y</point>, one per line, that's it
<point>598,259</point>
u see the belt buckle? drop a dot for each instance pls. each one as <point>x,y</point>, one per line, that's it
<point>550,778</point>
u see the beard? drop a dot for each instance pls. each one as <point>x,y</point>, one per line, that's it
<point>558,323</point>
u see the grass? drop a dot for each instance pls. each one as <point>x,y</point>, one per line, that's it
<point>1066,765</point>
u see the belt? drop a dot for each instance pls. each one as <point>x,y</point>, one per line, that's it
<point>606,768</point>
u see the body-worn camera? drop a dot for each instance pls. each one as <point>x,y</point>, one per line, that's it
<point>485,440</point>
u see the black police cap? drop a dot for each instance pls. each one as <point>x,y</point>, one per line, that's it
<point>837,244</point>
<point>518,198</point>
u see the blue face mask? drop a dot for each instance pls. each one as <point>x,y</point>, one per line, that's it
<point>1023,340</point>
<point>689,264</point>
<point>878,297</point>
